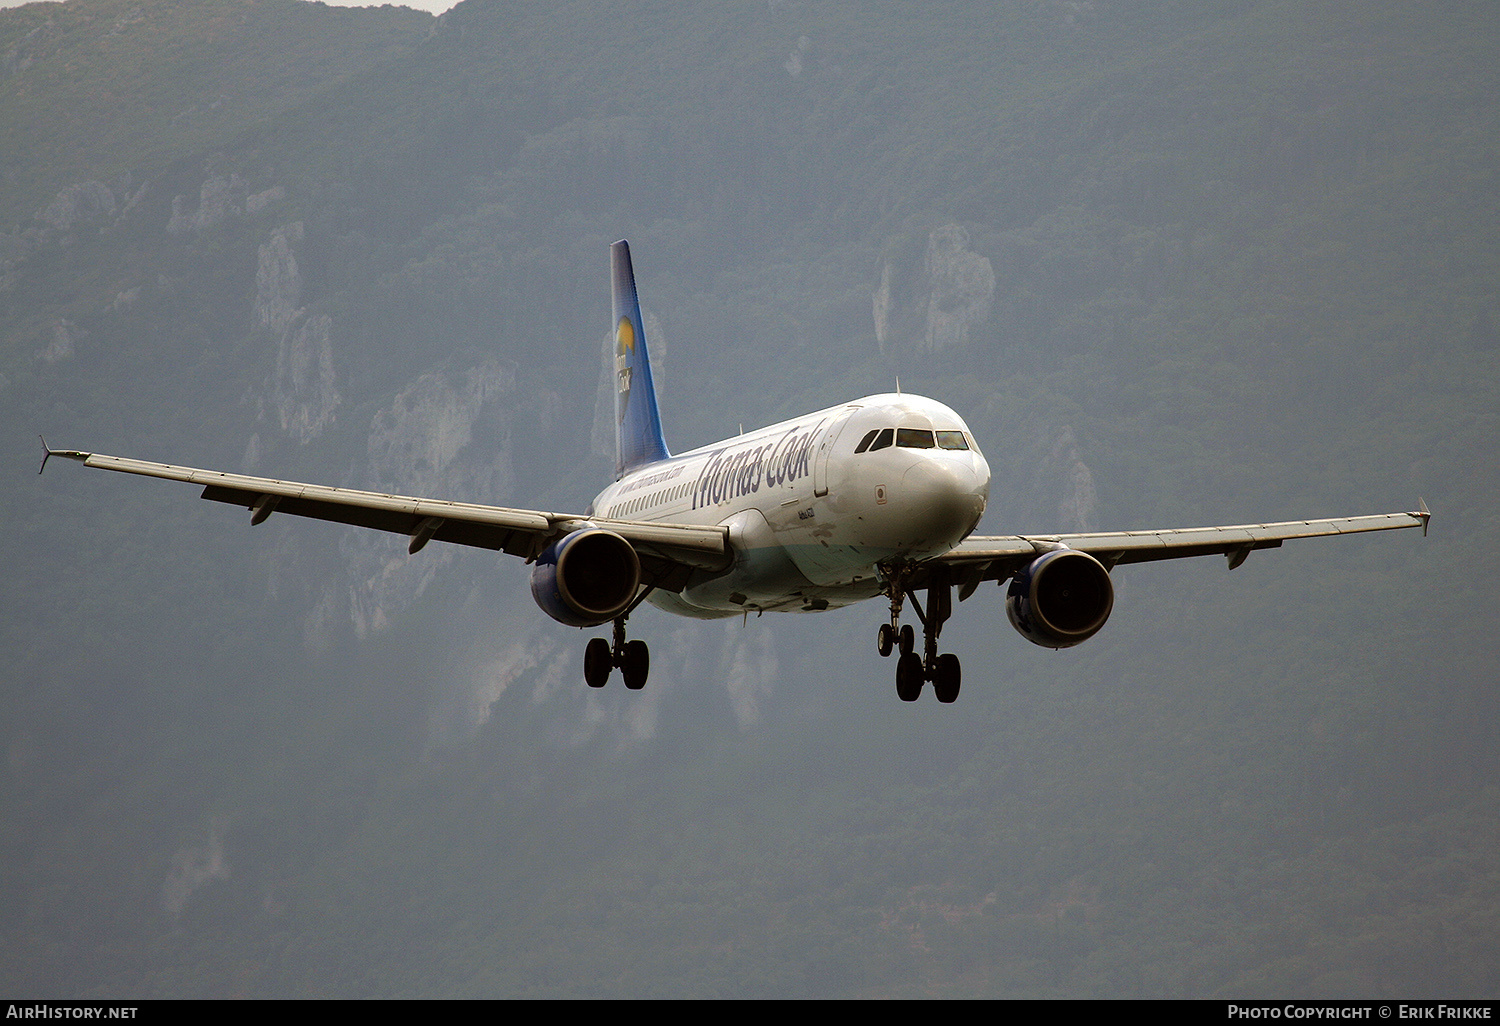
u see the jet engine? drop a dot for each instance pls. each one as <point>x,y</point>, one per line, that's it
<point>1060,599</point>
<point>586,578</point>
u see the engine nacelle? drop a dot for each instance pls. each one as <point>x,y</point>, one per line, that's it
<point>586,578</point>
<point>1060,599</point>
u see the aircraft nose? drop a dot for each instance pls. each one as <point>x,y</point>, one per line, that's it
<point>948,495</point>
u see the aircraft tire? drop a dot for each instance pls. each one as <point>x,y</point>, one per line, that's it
<point>908,639</point>
<point>885,639</point>
<point>597,663</point>
<point>909,677</point>
<point>947,677</point>
<point>636,665</point>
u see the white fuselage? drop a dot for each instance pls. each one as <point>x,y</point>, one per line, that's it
<point>814,504</point>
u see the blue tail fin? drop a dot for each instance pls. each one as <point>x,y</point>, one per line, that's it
<point>638,438</point>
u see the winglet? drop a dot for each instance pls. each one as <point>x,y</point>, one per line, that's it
<point>1422,513</point>
<point>67,454</point>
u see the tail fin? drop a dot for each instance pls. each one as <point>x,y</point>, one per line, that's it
<point>638,438</point>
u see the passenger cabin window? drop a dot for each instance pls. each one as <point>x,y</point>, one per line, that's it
<point>914,438</point>
<point>882,440</point>
<point>952,440</point>
<point>864,443</point>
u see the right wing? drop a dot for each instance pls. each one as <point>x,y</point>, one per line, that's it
<point>667,551</point>
<point>995,558</point>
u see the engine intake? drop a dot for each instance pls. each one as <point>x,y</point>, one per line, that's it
<point>1060,599</point>
<point>586,578</point>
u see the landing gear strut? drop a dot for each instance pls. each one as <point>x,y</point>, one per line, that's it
<point>913,670</point>
<point>632,657</point>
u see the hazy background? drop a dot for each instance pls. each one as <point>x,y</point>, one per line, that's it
<point>1175,263</point>
<point>430,6</point>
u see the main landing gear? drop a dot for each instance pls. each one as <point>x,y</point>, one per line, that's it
<point>913,670</point>
<point>632,657</point>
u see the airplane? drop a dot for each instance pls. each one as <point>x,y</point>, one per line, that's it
<point>877,497</point>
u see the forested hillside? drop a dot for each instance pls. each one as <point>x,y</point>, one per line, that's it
<point>1176,263</point>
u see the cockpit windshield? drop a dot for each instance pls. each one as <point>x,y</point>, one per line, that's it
<point>912,438</point>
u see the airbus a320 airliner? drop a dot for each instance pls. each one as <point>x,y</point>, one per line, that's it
<point>874,497</point>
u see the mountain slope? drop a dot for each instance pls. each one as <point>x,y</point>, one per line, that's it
<point>1175,263</point>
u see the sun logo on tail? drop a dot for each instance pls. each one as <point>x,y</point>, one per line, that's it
<point>624,350</point>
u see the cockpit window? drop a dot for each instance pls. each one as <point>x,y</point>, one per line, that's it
<point>913,438</point>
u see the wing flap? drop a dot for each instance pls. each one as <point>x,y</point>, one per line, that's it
<point>346,508</point>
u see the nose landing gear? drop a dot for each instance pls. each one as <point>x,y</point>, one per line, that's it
<point>890,636</point>
<point>912,670</point>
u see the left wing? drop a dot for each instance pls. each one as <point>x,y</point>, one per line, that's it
<point>995,558</point>
<point>665,549</point>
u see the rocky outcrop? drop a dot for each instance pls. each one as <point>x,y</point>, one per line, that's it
<point>194,866</point>
<point>78,204</point>
<point>84,205</point>
<point>936,303</point>
<point>416,442</point>
<point>426,442</point>
<point>1063,474</point>
<point>303,392</point>
<point>28,48</point>
<point>961,286</point>
<point>750,669</point>
<point>65,334</point>
<point>219,199</point>
<point>278,286</point>
<point>794,61</point>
